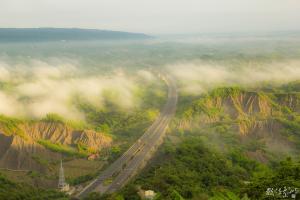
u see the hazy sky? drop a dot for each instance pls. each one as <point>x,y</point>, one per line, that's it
<point>154,16</point>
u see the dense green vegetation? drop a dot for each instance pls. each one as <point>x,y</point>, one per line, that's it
<point>192,171</point>
<point>206,156</point>
<point>81,179</point>
<point>16,191</point>
<point>285,174</point>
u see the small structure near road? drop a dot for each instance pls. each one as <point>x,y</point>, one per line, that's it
<point>93,156</point>
<point>146,194</point>
<point>149,194</point>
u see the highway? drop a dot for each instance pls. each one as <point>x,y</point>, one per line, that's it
<point>135,158</point>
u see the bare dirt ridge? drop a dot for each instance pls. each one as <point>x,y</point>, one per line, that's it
<point>250,111</point>
<point>251,115</point>
<point>21,153</point>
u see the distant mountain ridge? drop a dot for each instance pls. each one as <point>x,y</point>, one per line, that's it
<point>61,34</point>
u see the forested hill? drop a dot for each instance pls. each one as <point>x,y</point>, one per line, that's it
<point>59,34</point>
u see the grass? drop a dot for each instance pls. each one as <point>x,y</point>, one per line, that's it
<point>225,92</point>
<point>12,191</point>
<point>40,160</point>
<point>10,126</point>
<point>82,179</point>
<point>55,118</point>
<point>293,126</point>
<point>62,148</point>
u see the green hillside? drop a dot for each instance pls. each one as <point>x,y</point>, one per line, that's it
<point>229,143</point>
<point>15,191</point>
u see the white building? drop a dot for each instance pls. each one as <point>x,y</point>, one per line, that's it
<point>149,194</point>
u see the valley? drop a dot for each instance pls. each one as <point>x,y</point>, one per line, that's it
<point>101,107</point>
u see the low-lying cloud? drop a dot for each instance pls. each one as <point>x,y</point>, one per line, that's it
<point>195,78</point>
<point>40,88</point>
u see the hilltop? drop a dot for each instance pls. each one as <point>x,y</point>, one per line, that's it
<point>64,34</point>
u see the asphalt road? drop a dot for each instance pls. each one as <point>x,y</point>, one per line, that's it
<point>125,167</point>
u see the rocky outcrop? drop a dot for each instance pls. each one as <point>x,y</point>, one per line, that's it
<point>19,152</point>
<point>65,135</point>
<point>266,124</point>
<point>248,110</point>
<point>290,100</point>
